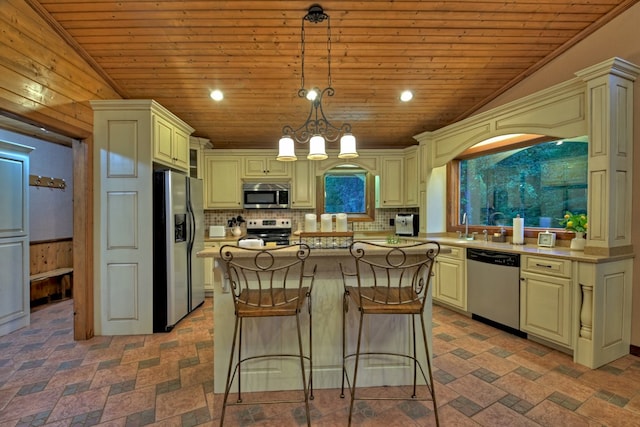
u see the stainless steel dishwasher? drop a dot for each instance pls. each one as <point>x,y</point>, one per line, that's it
<point>493,288</point>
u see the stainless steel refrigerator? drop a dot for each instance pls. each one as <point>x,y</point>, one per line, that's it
<point>178,235</point>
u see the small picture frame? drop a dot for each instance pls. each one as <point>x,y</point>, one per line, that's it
<point>547,239</point>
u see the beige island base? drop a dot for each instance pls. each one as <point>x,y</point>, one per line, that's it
<point>278,335</point>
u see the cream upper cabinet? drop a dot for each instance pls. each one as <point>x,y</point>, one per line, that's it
<point>170,143</point>
<point>196,156</point>
<point>422,163</point>
<point>449,281</point>
<point>265,167</point>
<point>412,188</point>
<point>546,290</point>
<point>223,182</point>
<point>392,182</point>
<point>303,185</point>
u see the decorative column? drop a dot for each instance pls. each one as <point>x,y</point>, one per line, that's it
<point>605,314</point>
<point>609,90</point>
<point>586,312</point>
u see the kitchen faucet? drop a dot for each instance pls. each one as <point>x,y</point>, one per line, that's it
<point>466,227</point>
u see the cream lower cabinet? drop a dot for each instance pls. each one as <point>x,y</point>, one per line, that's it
<point>546,289</point>
<point>449,281</point>
<point>603,298</point>
<point>211,275</point>
<point>208,271</point>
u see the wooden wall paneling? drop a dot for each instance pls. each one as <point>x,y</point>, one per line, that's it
<point>50,255</point>
<point>43,79</point>
<point>454,58</point>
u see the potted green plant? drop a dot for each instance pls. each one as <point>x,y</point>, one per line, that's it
<point>578,223</point>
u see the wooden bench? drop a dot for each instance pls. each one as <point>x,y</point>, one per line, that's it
<point>51,285</point>
<point>51,272</point>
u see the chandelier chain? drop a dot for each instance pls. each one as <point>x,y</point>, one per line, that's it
<point>302,54</point>
<point>315,18</point>
<point>329,49</point>
<point>317,128</point>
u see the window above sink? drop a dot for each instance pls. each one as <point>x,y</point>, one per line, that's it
<point>539,179</point>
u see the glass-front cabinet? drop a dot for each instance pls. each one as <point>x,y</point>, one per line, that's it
<point>196,150</point>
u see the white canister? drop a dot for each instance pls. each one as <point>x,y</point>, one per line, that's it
<point>341,222</point>
<point>310,223</point>
<point>325,223</point>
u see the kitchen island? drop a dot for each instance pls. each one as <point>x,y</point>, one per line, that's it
<point>277,335</point>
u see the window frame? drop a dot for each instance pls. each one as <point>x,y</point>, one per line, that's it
<point>453,215</point>
<point>370,202</point>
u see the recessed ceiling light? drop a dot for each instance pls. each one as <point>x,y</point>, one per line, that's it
<point>217,95</point>
<point>406,96</point>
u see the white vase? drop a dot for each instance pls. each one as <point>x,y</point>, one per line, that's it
<point>578,242</point>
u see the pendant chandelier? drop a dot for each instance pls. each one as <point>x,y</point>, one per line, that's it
<point>317,129</point>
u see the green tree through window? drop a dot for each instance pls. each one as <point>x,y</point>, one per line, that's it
<point>345,192</point>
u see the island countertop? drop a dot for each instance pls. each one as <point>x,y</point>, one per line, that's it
<point>320,252</point>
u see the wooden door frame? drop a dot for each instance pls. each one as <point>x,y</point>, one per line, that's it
<point>83,236</point>
<point>83,283</point>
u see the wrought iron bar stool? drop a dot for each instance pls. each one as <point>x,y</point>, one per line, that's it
<point>268,282</point>
<point>389,280</point>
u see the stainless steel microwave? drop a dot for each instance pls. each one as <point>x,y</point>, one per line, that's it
<point>269,195</point>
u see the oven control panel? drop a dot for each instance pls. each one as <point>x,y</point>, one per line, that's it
<point>269,223</point>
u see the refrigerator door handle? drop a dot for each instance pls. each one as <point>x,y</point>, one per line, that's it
<point>191,228</point>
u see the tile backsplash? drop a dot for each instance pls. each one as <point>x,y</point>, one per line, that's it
<point>381,223</point>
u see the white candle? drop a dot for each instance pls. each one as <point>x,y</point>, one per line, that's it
<point>341,222</point>
<point>325,223</point>
<point>310,223</point>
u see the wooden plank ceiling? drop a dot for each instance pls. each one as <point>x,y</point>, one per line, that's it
<point>454,55</point>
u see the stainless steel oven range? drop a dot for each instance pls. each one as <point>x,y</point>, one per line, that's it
<point>270,230</point>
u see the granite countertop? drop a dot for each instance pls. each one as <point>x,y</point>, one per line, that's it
<point>529,248</point>
<point>228,237</point>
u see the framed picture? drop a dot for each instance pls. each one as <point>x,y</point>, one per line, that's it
<point>547,239</point>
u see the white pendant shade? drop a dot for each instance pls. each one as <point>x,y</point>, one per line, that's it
<point>348,147</point>
<point>286,150</point>
<point>316,148</point>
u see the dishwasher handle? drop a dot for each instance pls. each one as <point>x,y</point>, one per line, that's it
<point>493,257</point>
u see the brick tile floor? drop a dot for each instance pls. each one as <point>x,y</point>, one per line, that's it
<point>484,377</point>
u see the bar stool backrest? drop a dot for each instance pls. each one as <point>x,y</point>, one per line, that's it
<point>394,274</point>
<point>266,277</point>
